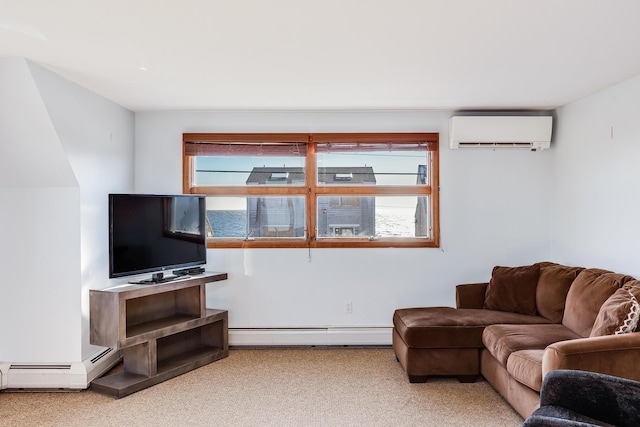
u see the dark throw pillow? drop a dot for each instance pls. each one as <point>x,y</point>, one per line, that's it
<point>513,289</point>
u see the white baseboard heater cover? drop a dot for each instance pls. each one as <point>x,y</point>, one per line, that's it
<point>57,376</point>
<point>334,336</point>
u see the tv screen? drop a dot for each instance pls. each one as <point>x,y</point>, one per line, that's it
<point>153,233</point>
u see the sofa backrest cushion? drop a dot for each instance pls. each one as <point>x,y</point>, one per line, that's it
<point>588,292</point>
<point>513,289</point>
<point>553,285</point>
<point>618,315</point>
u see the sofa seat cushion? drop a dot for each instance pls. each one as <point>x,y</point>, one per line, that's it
<point>502,340</point>
<point>446,327</point>
<point>525,366</point>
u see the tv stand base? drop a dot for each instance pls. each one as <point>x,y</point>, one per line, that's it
<point>162,331</point>
<point>204,344</point>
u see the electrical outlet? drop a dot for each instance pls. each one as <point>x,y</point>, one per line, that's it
<point>348,307</point>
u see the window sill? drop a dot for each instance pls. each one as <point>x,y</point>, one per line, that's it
<point>324,243</point>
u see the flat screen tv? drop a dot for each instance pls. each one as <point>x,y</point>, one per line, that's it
<point>154,233</point>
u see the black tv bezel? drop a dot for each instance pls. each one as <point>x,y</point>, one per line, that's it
<point>159,269</point>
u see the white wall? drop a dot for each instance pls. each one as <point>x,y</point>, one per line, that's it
<point>39,228</point>
<point>63,149</point>
<point>597,181</point>
<point>494,210</point>
<point>98,138</point>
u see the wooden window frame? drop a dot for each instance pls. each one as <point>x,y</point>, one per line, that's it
<point>312,190</point>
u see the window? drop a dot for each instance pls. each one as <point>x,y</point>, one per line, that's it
<point>316,190</point>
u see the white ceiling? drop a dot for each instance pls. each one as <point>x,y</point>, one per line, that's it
<point>329,54</point>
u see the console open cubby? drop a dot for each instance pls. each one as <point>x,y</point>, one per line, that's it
<point>152,312</point>
<point>163,330</point>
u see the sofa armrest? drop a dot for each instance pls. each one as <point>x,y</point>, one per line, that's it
<point>568,397</point>
<point>617,355</point>
<point>470,295</point>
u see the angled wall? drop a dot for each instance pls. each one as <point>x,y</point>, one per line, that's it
<point>97,137</point>
<point>52,151</point>
<point>39,224</point>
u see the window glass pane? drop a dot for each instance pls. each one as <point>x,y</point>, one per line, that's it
<point>369,216</point>
<point>249,170</point>
<point>226,217</point>
<point>256,217</point>
<point>362,165</point>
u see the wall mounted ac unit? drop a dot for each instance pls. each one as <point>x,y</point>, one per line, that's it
<point>529,132</point>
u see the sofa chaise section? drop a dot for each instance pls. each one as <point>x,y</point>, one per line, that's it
<point>444,341</point>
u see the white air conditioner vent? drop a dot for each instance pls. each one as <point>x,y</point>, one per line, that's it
<point>498,132</point>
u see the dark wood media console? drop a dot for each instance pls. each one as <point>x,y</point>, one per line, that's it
<point>163,330</point>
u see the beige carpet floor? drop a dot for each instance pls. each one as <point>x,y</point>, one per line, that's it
<point>276,387</point>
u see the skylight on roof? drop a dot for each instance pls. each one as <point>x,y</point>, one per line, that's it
<point>343,176</point>
<point>279,176</point>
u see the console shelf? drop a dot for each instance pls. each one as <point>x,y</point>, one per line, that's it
<point>163,330</point>
<point>155,326</point>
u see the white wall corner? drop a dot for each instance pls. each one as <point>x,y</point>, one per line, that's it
<point>4,368</point>
<point>73,376</point>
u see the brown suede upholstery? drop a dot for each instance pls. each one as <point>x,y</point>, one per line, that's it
<point>420,363</point>
<point>446,341</point>
<point>634,287</point>
<point>618,314</point>
<point>525,366</point>
<point>588,292</point>
<point>553,286</point>
<point>522,398</point>
<point>617,355</point>
<point>446,327</point>
<point>514,351</point>
<point>513,289</point>
<point>471,295</point>
<point>502,340</point>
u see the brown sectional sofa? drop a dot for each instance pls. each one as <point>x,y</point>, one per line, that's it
<point>525,322</point>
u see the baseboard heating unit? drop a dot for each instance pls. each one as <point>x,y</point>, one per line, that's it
<point>333,336</point>
<point>54,376</point>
